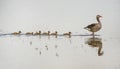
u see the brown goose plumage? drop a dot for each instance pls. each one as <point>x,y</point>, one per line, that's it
<point>95,26</point>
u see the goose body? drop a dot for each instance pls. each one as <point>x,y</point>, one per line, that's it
<point>16,33</point>
<point>95,26</point>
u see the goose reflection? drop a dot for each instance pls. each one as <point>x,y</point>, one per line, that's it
<point>96,42</point>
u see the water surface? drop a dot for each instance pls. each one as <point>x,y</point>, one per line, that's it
<point>78,52</point>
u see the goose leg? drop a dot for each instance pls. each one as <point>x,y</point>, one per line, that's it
<point>93,36</point>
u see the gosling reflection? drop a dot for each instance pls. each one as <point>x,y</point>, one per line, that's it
<point>37,49</point>
<point>46,47</point>
<point>40,52</point>
<point>96,42</point>
<point>57,55</point>
<point>56,46</point>
<point>30,42</point>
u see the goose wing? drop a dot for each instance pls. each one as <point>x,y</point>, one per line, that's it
<point>90,26</point>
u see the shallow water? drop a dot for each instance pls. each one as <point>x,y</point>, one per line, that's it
<point>77,52</point>
<point>41,52</point>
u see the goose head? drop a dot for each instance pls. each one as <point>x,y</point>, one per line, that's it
<point>99,16</point>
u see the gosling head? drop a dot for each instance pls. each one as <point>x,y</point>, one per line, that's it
<point>48,31</point>
<point>39,31</point>
<point>19,31</point>
<point>69,32</point>
<point>56,32</point>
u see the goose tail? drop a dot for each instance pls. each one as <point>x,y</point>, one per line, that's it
<point>85,27</point>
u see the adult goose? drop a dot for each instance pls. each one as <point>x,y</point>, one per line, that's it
<point>95,26</point>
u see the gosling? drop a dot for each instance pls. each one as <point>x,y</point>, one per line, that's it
<point>46,33</point>
<point>55,34</point>
<point>38,33</point>
<point>67,34</point>
<point>16,33</point>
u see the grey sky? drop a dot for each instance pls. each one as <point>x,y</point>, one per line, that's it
<point>60,15</point>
